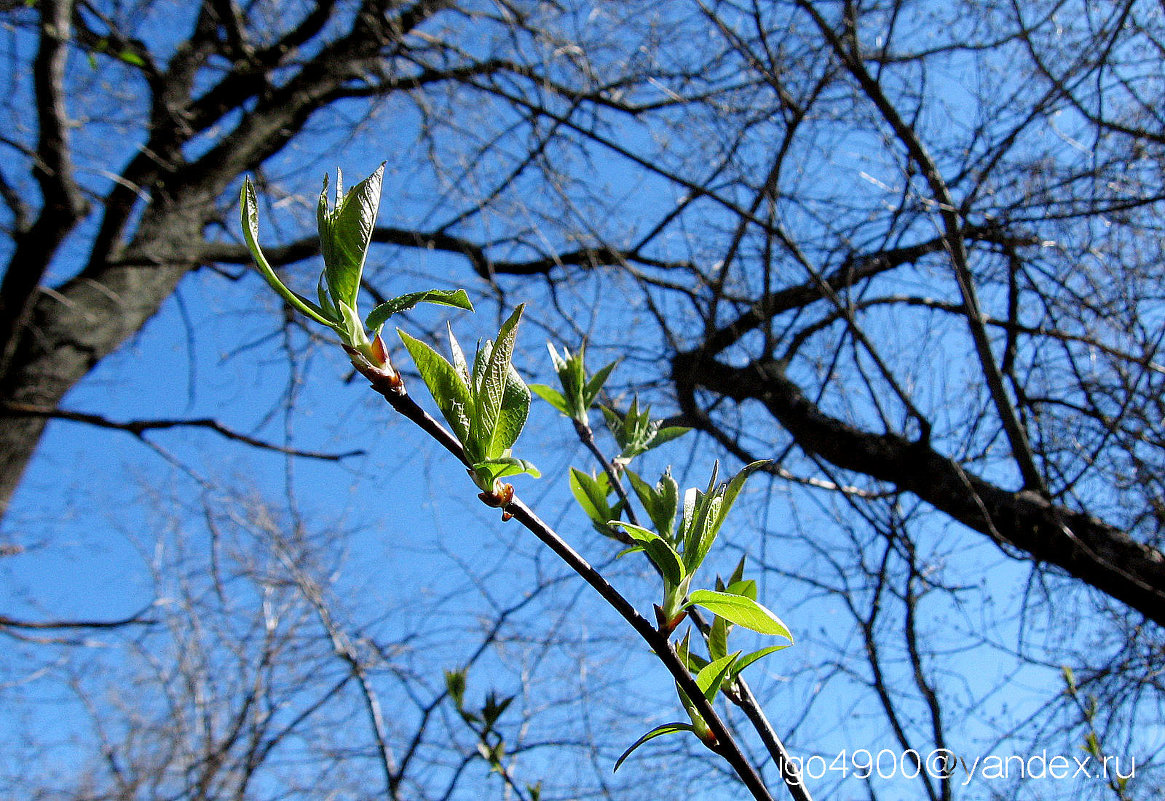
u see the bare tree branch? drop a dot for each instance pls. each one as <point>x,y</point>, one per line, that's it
<point>139,428</point>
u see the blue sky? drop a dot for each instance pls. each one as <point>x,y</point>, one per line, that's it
<point>420,556</point>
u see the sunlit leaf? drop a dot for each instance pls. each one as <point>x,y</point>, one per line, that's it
<point>665,435</point>
<point>445,385</point>
<point>704,532</point>
<point>439,297</point>
<point>591,494</point>
<point>659,550</point>
<point>738,573</point>
<point>495,373</point>
<point>511,417</point>
<point>718,638</point>
<point>658,731</point>
<point>496,469</point>
<point>346,233</point>
<point>660,501</point>
<point>732,492</point>
<point>711,677</point>
<point>459,363</point>
<point>249,212</point>
<point>551,396</point>
<point>749,658</point>
<point>595,385</point>
<point>692,661</point>
<point>741,611</point>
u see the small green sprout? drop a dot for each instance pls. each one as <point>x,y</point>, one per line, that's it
<point>637,433</point>
<point>345,231</point>
<point>578,392</point>
<point>679,554</point>
<point>486,407</point>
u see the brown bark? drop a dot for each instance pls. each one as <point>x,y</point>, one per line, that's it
<point>1085,547</point>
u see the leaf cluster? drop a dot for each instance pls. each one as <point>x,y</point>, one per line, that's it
<point>486,407</point>
<point>345,231</point>
<point>482,721</point>
<point>636,432</point>
<point>676,552</point>
<point>578,392</point>
<point>679,553</point>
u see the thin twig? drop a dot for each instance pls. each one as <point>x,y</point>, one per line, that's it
<point>138,428</point>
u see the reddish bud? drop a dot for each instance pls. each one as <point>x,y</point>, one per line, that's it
<point>666,626</point>
<point>500,498</point>
<point>379,352</point>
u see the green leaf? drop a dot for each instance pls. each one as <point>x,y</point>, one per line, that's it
<point>480,359</point>
<point>494,708</point>
<point>346,233</point>
<point>494,375</point>
<point>132,58</point>
<point>667,434</point>
<point>745,587</point>
<point>595,385</point>
<point>718,638</point>
<point>659,550</point>
<point>351,330</point>
<point>660,501</point>
<point>741,611</point>
<point>511,417</point>
<point>709,510</point>
<point>445,385</point>
<point>636,432</point>
<point>103,45</point>
<point>439,297</point>
<point>699,725</point>
<point>326,305</point>
<point>749,658</point>
<point>693,662</point>
<point>691,496</point>
<point>249,216</point>
<point>711,677</point>
<point>459,363</point>
<point>551,396</point>
<point>702,532</point>
<point>455,686</point>
<point>658,731</point>
<point>738,573</point>
<point>571,375</point>
<point>735,486</point>
<point>492,470</point>
<point>591,493</point>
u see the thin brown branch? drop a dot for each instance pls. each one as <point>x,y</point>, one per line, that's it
<point>138,428</point>
<point>49,625</point>
<point>1088,548</point>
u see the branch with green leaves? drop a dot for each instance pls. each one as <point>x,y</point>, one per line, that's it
<point>491,743</point>
<point>486,406</point>
<point>676,554</point>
